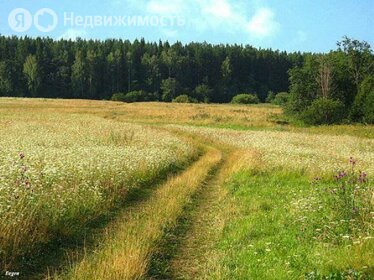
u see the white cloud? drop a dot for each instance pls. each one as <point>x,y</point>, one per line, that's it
<point>219,8</point>
<point>263,23</point>
<point>73,34</point>
<point>224,16</point>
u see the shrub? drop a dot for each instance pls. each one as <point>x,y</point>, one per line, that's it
<point>270,97</point>
<point>203,93</point>
<point>281,98</point>
<point>363,106</point>
<point>324,111</point>
<point>134,96</point>
<point>184,99</point>
<point>170,88</point>
<point>245,99</point>
<point>120,96</point>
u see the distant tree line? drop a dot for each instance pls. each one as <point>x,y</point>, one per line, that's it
<point>315,88</point>
<point>334,87</point>
<point>140,71</point>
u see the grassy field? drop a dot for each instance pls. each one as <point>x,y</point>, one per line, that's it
<point>181,191</point>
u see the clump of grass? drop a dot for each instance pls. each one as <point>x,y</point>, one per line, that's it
<point>346,206</point>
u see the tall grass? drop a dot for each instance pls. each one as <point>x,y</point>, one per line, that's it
<point>125,252</point>
<point>59,171</point>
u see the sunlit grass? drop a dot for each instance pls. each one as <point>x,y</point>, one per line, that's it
<point>63,163</point>
<point>126,251</point>
<point>60,171</point>
<point>264,239</point>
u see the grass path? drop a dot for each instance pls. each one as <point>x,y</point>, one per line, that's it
<point>184,250</point>
<point>205,224</point>
<point>129,243</point>
<point>188,250</point>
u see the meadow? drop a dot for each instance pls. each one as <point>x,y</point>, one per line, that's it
<point>192,191</point>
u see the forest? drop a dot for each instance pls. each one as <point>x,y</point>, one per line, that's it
<point>91,69</point>
<point>316,88</point>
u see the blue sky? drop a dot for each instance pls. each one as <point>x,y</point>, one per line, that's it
<point>289,25</point>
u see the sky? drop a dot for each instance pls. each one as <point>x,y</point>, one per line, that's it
<point>287,25</point>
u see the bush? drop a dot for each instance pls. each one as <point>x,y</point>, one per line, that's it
<point>170,89</point>
<point>363,106</point>
<point>324,111</point>
<point>203,93</point>
<point>184,99</point>
<point>134,96</point>
<point>270,97</point>
<point>120,96</point>
<point>245,99</point>
<point>281,98</point>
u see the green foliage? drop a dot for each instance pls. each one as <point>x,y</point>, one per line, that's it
<point>169,88</point>
<point>7,73</point>
<point>345,75</point>
<point>89,69</point>
<point>304,87</point>
<point>226,69</point>
<point>363,107</point>
<point>134,96</point>
<point>360,58</point>
<point>78,76</point>
<point>184,98</point>
<point>324,111</point>
<point>281,98</point>
<point>270,97</point>
<point>245,99</point>
<point>120,96</point>
<point>32,73</point>
<point>203,93</point>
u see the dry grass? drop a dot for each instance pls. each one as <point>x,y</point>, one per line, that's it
<point>266,169</point>
<point>312,153</point>
<point>197,257</point>
<point>126,250</point>
<point>59,171</point>
<point>153,113</point>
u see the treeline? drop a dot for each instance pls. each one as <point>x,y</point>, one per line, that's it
<point>335,87</point>
<point>90,69</point>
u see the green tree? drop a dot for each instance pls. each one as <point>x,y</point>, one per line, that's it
<point>32,73</point>
<point>170,59</point>
<point>151,64</point>
<point>324,111</point>
<point>360,57</point>
<point>363,107</point>
<point>304,87</point>
<point>7,73</point>
<point>79,76</point>
<point>203,93</point>
<point>169,88</point>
